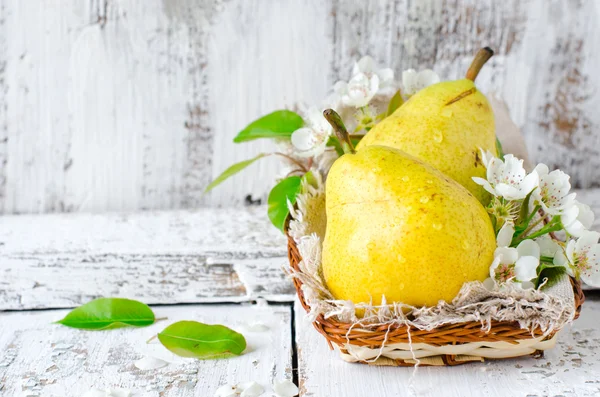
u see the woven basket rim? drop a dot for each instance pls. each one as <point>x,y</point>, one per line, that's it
<point>341,333</point>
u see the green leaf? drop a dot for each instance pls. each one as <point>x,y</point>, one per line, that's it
<point>395,103</point>
<point>499,148</point>
<point>309,177</point>
<point>279,124</point>
<point>234,169</point>
<point>286,189</point>
<point>104,313</point>
<point>524,212</point>
<point>203,341</point>
<point>551,272</point>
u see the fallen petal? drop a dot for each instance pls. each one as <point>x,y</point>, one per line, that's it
<point>285,388</point>
<point>118,393</point>
<point>250,389</point>
<point>147,363</point>
<point>226,391</point>
<point>256,326</point>
<point>95,393</point>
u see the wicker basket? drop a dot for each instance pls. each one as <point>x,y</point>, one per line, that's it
<point>452,344</point>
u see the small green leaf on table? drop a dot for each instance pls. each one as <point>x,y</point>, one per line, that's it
<point>203,341</point>
<point>279,124</point>
<point>395,103</point>
<point>105,313</point>
<point>286,189</point>
<point>232,170</point>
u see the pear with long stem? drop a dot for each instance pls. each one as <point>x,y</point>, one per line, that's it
<point>445,125</point>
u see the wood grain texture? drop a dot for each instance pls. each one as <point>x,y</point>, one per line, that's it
<point>44,359</point>
<point>571,368</point>
<point>122,105</point>
<point>208,255</point>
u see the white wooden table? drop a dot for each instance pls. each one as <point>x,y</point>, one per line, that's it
<point>213,265</point>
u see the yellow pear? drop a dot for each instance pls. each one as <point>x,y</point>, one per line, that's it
<point>444,125</point>
<point>399,228</point>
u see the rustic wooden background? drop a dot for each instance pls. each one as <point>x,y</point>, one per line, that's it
<point>127,104</point>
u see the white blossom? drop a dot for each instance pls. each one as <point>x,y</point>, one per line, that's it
<point>366,83</point>
<point>548,246</point>
<point>514,264</point>
<point>577,218</point>
<point>553,192</point>
<point>414,82</point>
<point>581,257</point>
<point>311,140</point>
<point>508,178</point>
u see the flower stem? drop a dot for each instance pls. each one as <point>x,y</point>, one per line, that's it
<point>293,160</point>
<point>553,226</point>
<point>482,56</point>
<point>340,130</point>
<point>530,227</point>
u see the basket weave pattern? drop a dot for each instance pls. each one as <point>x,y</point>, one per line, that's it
<point>339,333</point>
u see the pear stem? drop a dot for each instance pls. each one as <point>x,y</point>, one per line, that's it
<point>340,130</point>
<point>482,56</point>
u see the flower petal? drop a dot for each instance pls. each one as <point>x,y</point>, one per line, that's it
<point>366,65</point>
<point>226,391</point>
<point>541,169</point>
<point>340,88</point>
<point>530,182</point>
<point>587,240</point>
<point>569,215</point>
<point>409,81</point>
<point>148,362</point>
<point>303,139</point>
<point>509,192</point>
<point>505,234</point>
<point>494,266</point>
<point>548,247</point>
<point>386,75</point>
<point>529,248</point>
<point>526,268</point>
<point>251,389</point>
<point>586,215</point>
<point>285,388</point>
<point>317,150</point>
<point>507,256</point>
<point>489,284</point>
<point>560,259</point>
<point>426,78</point>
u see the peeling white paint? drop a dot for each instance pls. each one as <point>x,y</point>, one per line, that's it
<point>130,105</point>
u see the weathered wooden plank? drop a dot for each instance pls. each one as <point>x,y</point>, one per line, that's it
<point>262,56</point>
<point>3,106</point>
<point>128,105</point>
<point>544,63</point>
<point>44,359</point>
<point>208,255</point>
<point>571,368</point>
